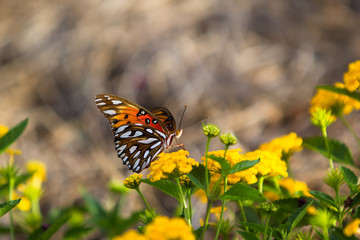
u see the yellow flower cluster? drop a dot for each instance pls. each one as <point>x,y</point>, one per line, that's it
<point>294,187</point>
<point>133,181</point>
<point>284,146</point>
<point>270,165</point>
<point>217,211</point>
<point>352,77</point>
<point>171,165</point>
<point>352,228</point>
<point>336,103</point>
<point>162,228</point>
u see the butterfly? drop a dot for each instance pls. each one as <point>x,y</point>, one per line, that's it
<point>139,134</point>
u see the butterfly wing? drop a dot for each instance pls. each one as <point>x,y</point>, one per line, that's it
<point>139,134</point>
<point>164,115</point>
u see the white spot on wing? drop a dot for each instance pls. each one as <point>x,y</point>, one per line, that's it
<point>146,153</point>
<point>110,112</point>
<point>122,155</point>
<point>116,102</point>
<point>121,128</point>
<point>98,99</point>
<point>132,149</point>
<point>147,141</point>
<point>137,169</point>
<point>149,130</point>
<point>121,149</point>
<point>138,133</point>
<point>161,133</point>
<point>125,158</point>
<point>125,135</point>
<point>136,163</point>
<point>101,104</point>
<point>137,154</point>
<point>155,145</point>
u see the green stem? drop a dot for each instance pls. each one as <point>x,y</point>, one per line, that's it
<point>346,123</point>
<point>188,195</point>
<point>323,130</point>
<point>206,167</point>
<point>11,190</point>
<point>266,226</point>
<point>222,208</point>
<point>183,202</point>
<point>208,208</point>
<point>261,184</point>
<point>143,198</point>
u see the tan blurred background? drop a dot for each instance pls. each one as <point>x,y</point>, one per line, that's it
<point>248,66</point>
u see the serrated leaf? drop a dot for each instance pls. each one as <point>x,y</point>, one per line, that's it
<point>7,206</point>
<point>339,151</point>
<point>225,165</point>
<point>350,178</point>
<point>324,198</point>
<point>294,219</point>
<point>343,91</point>
<point>243,165</point>
<point>13,134</point>
<point>198,176</point>
<point>242,192</point>
<point>166,186</point>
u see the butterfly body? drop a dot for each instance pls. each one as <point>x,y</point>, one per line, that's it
<point>139,134</point>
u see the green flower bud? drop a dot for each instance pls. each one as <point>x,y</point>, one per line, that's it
<point>185,181</point>
<point>228,139</point>
<point>133,181</point>
<point>322,117</point>
<point>334,178</point>
<point>211,130</point>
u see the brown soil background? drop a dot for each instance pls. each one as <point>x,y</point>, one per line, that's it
<point>249,66</point>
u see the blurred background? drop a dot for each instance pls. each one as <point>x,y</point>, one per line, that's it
<point>248,66</point>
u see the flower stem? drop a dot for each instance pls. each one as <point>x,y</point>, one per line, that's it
<point>261,183</point>
<point>206,167</point>
<point>346,123</point>
<point>323,130</point>
<point>143,198</point>
<point>183,202</point>
<point>11,190</point>
<point>222,210</point>
<point>189,201</point>
<point>208,208</point>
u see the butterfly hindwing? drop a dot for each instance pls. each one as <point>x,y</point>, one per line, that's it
<point>166,118</point>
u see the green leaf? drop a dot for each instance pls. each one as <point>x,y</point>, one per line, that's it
<point>225,165</point>
<point>339,151</point>
<point>54,227</point>
<point>77,232</point>
<point>248,235</point>
<point>350,178</point>
<point>243,165</point>
<point>242,192</point>
<point>294,219</point>
<point>7,206</point>
<point>10,137</point>
<point>324,198</point>
<point>198,176</point>
<point>343,91</point>
<point>260,228</point>
<point>167,186</point>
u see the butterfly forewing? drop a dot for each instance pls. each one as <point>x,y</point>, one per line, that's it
<point>140,135</point>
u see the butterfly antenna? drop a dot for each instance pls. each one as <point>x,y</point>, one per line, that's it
<point>182,116</point>
<point>196,122</point>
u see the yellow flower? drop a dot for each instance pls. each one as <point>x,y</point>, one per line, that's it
<point>284,146</point>
<point>171,165</point>
<point>130,234</point>
<point>337,103</point>
<point>24,205</point>
<point>200,194</point>
<point>352,76</point>
<point>3,130</point>
<point>311,210</point>
<point>133,181</point>
<point>217,211</point>
<point>168,229</point>
<point>352,228</point>
<point>294,187</point>
<point>271,196</point>
<point>39,173</point>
